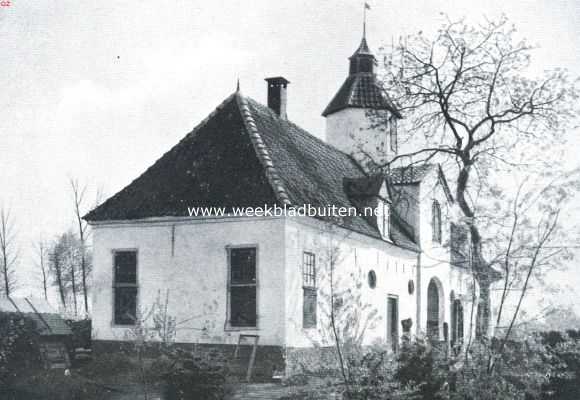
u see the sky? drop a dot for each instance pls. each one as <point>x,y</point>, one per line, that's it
<point>99,90</point>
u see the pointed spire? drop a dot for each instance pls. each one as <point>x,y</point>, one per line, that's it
<point>363,48</point>
<point>362,59</point>
<point>365,8</point>
<point>238,85</point>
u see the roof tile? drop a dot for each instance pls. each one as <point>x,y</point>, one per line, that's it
<point>361,90</point>
<point>243,155</point>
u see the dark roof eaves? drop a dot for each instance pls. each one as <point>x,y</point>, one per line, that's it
<point>392,242</point>
<point>347,102</point>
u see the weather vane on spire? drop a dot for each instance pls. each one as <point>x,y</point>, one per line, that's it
<point>365,8</point>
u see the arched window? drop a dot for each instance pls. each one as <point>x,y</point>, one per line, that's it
<point>436,221</point>
<point>433,317</point>
<point>456,323</point>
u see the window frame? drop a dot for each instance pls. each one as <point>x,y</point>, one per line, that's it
<point>115,285</point>
<point>436,222</point>
<point>309,288</point>
<point>393,327</point>
<point>229,248</point>
<point>384,223</point>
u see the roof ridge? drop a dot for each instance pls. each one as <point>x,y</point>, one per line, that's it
<point>314,137</point>
<point>261,150</point>
<point>204,121</point>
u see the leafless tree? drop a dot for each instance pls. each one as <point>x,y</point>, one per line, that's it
<point>78,198</point>
<point>41,252</point>
<point>64,261</point>
<point>8,251</point>
<point>468,98</point>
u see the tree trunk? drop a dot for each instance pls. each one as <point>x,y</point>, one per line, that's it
<point>43,273</point>
<point>74,287</point>
<point>5,272</point>
<point>483,310</point>
<point>480,267</point>
<point>60,283</point>
<point>84,277</point>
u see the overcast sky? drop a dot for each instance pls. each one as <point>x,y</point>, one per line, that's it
<point>99,90</point>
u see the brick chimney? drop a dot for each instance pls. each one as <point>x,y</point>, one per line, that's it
<point>277,95</point>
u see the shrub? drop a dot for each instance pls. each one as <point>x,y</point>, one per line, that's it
<point>192,376</point>
<point>564,382</point>
<point>516,370</point>
<point>371,376</point>
<point>420,366</point>
<point>110,368</point>
<point>18,347</point>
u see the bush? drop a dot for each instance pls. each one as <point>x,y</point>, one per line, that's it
<point>18,347</point>
<point>564,382</point>
<point>420,366</point>
<point>194,377</point>
<point>110,367</point>
<point>371,376</point>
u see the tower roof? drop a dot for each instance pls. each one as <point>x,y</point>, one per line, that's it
<point>361,90</point>
<point>363,49</point>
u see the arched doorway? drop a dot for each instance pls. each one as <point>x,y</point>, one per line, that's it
<point>434,309</point>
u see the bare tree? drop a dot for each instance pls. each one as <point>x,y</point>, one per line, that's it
<point>8,252</point>
<point>41,252</point>
<point>64,260</point>
<point>467,97</point>
<point>346,316</point>
<point>78,197</point>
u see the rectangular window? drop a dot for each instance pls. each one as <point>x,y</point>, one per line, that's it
<point>125,287</point>
<point>242,287</point>
<point>310,296</point>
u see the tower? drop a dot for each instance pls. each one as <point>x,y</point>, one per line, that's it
<point>361,119</point>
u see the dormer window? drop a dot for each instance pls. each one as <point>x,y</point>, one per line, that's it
<point>436,221</point>
<point>383,218</point>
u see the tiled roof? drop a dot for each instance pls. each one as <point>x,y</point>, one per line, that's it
<point>47,321</point>
<point>361,90</point>
<point>363,49</point>
<point>411,174</point>
<point>242,155</point>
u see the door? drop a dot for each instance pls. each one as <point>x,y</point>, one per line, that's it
<point>393,322</point>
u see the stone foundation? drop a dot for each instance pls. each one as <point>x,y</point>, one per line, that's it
<point>311,360</point>
<point>269,359</point>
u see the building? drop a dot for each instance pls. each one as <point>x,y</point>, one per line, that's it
<point>52,336</point>
<point>268,276</point>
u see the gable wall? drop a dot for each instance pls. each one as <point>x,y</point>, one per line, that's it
<point>195,275</point>
<point>435,258</point>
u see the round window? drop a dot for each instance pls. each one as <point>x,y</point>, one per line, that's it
<point>372,279</point>
<point>411,286</point>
